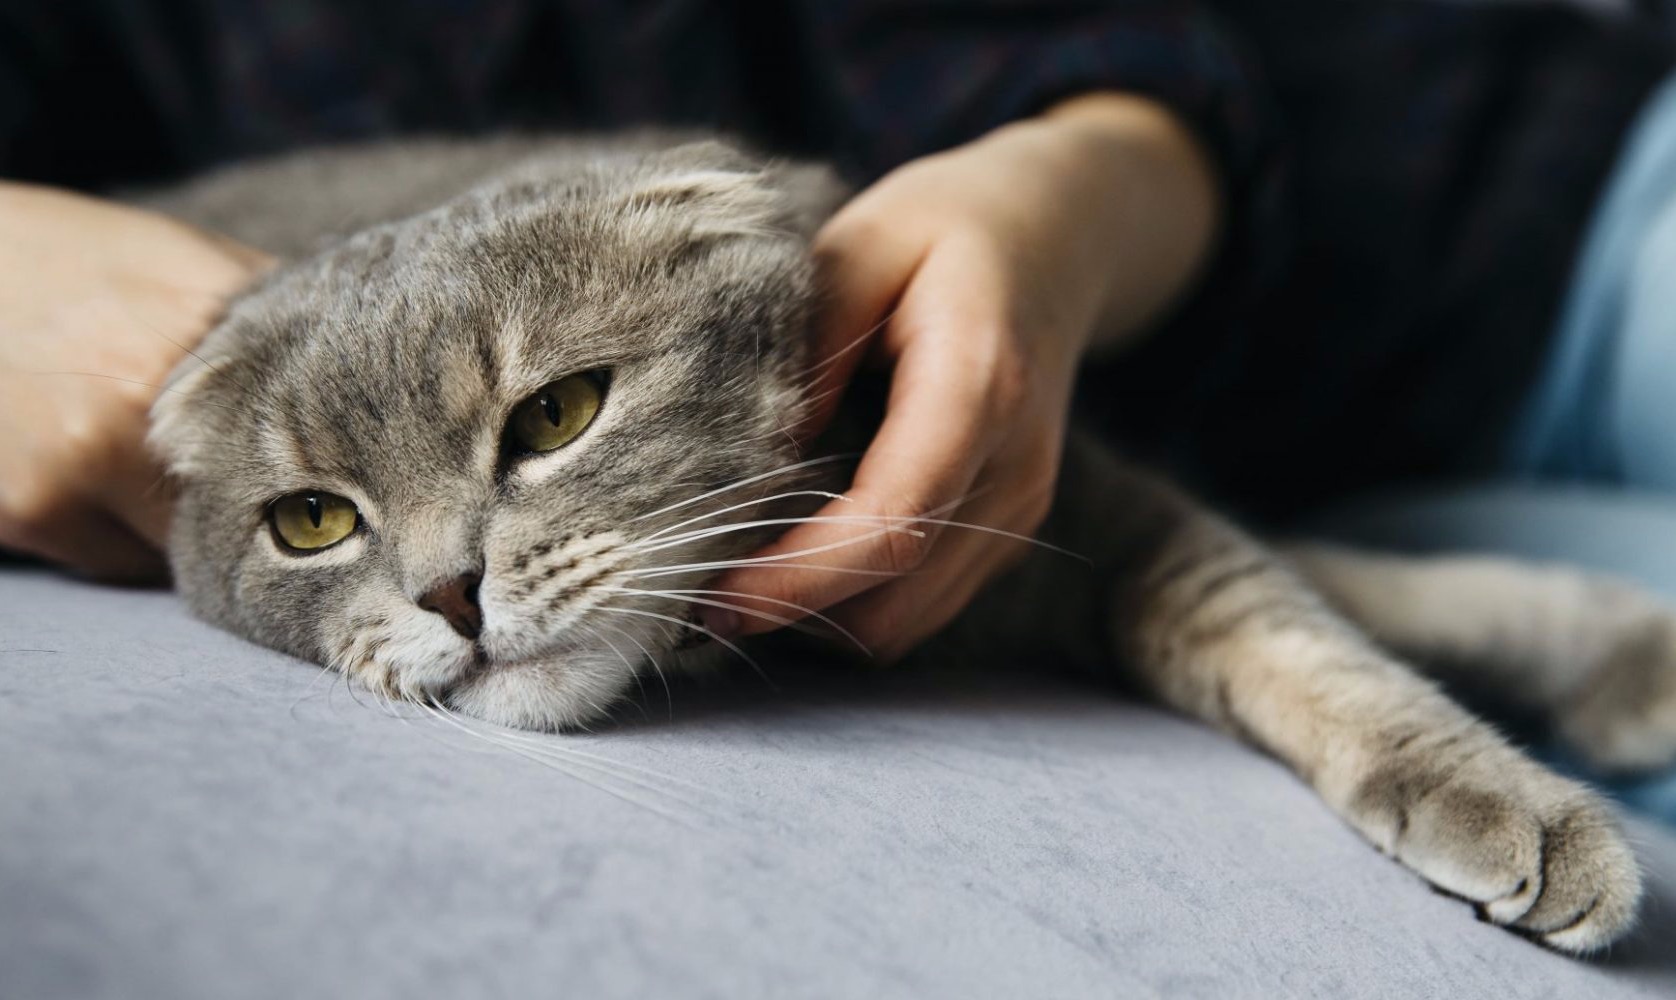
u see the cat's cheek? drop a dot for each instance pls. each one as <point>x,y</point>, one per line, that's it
<point>302,602</point>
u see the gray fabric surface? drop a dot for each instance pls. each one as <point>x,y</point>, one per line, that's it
<point>184,815</point>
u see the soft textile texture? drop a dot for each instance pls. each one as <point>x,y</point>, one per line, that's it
<point>185,815</point>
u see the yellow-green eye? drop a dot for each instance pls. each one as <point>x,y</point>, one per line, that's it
<point>553,417</point>
<point>313,520</point>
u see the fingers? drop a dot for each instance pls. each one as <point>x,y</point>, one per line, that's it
<point>939,430</point>
<point>94,544</point>
<point>145,510</point>
<point>97,458</point>
<point>924,458</point>
<point>86,495</point>
<point>149,514</point>
<point>856,553</point>
<point>862,274</point>
<point>134,490</point>
<point>894,618</point>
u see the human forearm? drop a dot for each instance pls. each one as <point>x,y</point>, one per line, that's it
<point>1149,207</point>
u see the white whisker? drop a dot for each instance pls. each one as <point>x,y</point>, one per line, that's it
<point>847,348</point>
<point>668,697</point>
<point>782,556</point>
<point>890,524</point>
<point>590,630</point>
<point>752,612</point>
<point>783,470</point>
<point>583,757</point>
<point>651,572</point>
<point>811,403</point>
<point>741,506</point>
<point>697,628</point>
<point>558,764</point>
<point>309,689</point>
<point>810,612</point>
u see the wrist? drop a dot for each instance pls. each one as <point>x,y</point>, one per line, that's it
<point>1148,204</point>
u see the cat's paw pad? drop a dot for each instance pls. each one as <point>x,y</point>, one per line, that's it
<point>1534,852</point>
<point>1623,717</point>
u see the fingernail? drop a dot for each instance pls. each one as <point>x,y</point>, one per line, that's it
<point>721,622</point>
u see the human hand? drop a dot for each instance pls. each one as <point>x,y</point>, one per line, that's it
<point>979,276</point>
<point>98,301</point>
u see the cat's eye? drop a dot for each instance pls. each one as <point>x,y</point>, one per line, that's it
<point>555,415</point>
<point>309,521</point>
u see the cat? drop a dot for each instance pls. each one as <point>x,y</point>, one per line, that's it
<point>509,404</point>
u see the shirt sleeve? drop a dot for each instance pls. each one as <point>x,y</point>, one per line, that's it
<point>79,105</point>
<point>912,76</point>
<point>908,77</point>
<point>20,58</point>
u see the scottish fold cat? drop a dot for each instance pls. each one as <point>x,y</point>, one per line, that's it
<point>508,406</point>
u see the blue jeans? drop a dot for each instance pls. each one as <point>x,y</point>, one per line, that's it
<point>1604,411</point>
<point>1601,414</point>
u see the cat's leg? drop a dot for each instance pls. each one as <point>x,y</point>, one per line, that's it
<point>1222,629</point>
<point>1595,654</point>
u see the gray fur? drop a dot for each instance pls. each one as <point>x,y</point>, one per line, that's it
<point>430,287</point>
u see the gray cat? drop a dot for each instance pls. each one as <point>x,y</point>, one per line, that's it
<point>507,407</point>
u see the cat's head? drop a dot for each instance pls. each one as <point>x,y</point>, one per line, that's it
<point>450,454</point>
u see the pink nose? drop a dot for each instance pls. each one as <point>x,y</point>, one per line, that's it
<point>456,600</point>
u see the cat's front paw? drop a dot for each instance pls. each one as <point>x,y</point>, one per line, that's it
<point>1535,852</point>
<point>1623,717</point>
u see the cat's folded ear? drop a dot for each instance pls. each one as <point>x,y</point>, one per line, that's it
<point>179,435</point>
<point>723,193</point>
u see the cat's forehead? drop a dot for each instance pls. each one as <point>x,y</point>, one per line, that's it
<point>415,385</point>
<point>401,351</point>
<point>388,394</point>
<point>511,299</point>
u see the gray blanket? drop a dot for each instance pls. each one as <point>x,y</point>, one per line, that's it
<point>184,815</point>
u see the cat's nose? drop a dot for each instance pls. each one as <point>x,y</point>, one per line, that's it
<point>456,600</point>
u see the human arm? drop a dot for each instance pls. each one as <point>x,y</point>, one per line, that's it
<point>987,271</point>
<point>98,301</point>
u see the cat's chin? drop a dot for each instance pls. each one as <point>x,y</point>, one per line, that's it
<point>563,691</point>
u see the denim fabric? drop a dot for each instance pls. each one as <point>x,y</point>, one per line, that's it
<point>1626,533</point>
<point>1603,411</point>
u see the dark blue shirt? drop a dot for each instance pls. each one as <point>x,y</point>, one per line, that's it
<point>1406,181</point>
